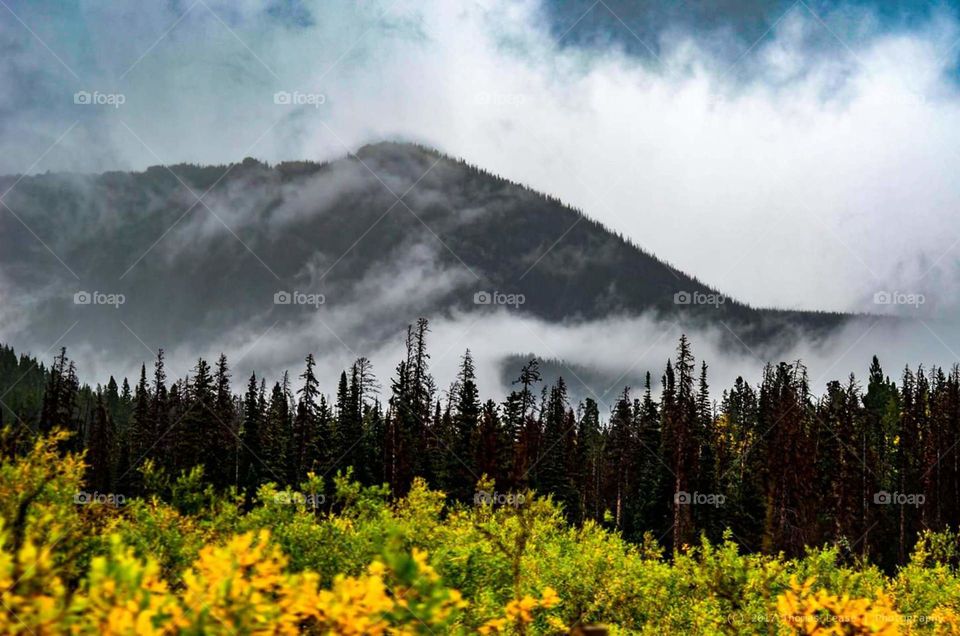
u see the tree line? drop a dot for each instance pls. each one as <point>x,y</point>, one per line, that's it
<point>775,466</point>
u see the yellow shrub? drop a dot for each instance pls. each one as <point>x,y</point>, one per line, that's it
<point>33,599</point>
<point>822,613</point>
<point>355,605</point>
<point>519,613</point>
<point>242,586</point>
<point>124,596</point>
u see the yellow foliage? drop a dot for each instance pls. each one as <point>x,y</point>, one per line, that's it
<point>242,585</point>
<point>946,621</point>
<point>33,597</point>
<point>518,613</point>
<point>81,570</point>
<point>822,613</point>
<point>355,606</point>
<point>122,595</point>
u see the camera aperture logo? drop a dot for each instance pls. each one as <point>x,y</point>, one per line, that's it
<point>296,98</point>
<point>84,498</point>
<point>96,98</point>
<point>99,298</point>
<point>499,298</point>
<point>494,498</point>
<point>909,299</point>
<point>684,498</point>
<point>884,498</point>
<point>309,499</point>
<point>299,298</point>
<point>698,298</point>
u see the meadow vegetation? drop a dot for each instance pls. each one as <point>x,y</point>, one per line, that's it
<point>186,559</point>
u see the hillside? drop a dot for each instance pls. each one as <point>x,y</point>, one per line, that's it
<point>193,272</point>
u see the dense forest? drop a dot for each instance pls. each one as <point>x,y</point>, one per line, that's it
<point>864,467</point>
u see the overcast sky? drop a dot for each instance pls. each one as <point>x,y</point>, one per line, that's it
<point>790,154</point>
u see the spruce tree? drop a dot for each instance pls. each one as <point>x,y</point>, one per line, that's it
<point>304,447</point>
<point>253,416</point>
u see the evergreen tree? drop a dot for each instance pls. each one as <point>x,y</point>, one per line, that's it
<point>304,453</point>
<point>161,408</point>
<point>144,436</point>
<point>99,446</point>
<point>651,475</point>
<point>522,425</point>
<point>461,449</point>
<point>225,439</point>
<point>198,433</point>
<point>253,416</point>
<point>272,455</point>
<point>619,461</point>
<point>588,469</point>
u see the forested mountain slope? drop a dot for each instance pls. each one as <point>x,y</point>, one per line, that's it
<point>191,272</point>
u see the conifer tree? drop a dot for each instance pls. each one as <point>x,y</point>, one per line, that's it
<point>461,449</point>
<point>197,432</point>
<point>272,454</point>
<point>653,483</point>
<point>253,416</point>
<point>99,446</point>
<point>304,447</point>
<point>140,439</point>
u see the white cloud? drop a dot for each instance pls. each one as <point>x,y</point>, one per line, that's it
<point>814,184</point>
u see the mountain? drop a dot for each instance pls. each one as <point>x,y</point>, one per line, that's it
<point>390,233</point>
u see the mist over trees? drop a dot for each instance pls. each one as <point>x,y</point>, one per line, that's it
<point>867,465</point>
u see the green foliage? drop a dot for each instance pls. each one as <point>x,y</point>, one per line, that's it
<point>516,566</point>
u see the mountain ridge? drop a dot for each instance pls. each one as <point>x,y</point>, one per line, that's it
<point>336,229</point>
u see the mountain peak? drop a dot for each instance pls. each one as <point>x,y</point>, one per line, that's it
<point>458,237</point>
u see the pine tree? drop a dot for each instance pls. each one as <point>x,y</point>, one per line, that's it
<point>741,461</point>
<point>99,476</point>
<point>272,455</point>
<point>492,457</point>
<point>461,449</point>
<point>588,469</point>
<point>706,479</point>
<point>618,460</point>
<point>59,409</point>
<point>791,457</point>
<point>141,438</point>
<point>409,414</point>
<point>225,439</point>
<point>304,448</point>
<point>653,481</point>
<point>253,416</point>
<point>679,415</point>
<point>196,432</point>
<point>160,411</point>
<point>558,446</point>
<point>523,426</point>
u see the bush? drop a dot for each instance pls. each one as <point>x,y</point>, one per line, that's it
<point>197,562</point>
